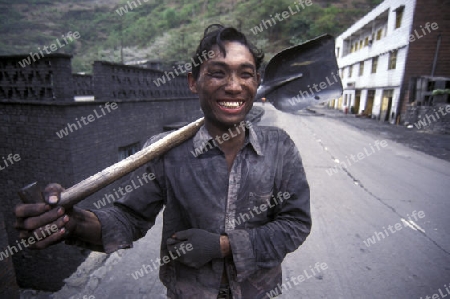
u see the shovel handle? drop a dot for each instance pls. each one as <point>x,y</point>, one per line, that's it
<point>78,192</point>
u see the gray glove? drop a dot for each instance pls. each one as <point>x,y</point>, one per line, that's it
<point>204,246</point>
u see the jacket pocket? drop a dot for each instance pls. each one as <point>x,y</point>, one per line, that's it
<point>259,209</point>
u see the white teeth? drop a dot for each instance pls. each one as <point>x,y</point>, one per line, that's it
<point>231,104</point>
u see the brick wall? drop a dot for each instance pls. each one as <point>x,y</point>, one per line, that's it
<point>421,51</point>
<point>125,82</point>
<point>30,132</point>
<point>38,80</point>
<point>82,85</point>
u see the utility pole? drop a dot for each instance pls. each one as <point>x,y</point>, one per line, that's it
<point>121,41</point>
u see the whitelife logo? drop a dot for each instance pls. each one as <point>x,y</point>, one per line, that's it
<point>27,242</point>
<point>319,267</point>
<point>68,38</point>
<point>162,261</point>
<point>11,158</point>
<point>124,9</point>
<point>187,68</point>
<point>280,16</point>
<point>119,193</point>
<point>356,158</point>
<point>422,123</point>
<point>398,226</point>
<point>90,118</point>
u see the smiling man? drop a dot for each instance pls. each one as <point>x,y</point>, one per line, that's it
<point>232,213</point>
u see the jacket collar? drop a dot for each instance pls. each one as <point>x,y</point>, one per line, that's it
<point>202,138</point>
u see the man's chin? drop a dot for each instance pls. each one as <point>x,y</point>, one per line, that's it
<point>229,122</point>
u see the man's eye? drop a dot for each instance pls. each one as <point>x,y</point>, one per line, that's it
<point>247,75</point>
<point>217,74</point>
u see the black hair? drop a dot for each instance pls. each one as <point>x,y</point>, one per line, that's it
<point>216,34</point>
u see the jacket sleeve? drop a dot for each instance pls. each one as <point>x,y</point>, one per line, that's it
<point>135,213</point>
<point>266,246</point>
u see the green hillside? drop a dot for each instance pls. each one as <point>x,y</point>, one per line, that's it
<point>166,30</point>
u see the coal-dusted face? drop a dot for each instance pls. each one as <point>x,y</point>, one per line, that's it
<point>227,85</point>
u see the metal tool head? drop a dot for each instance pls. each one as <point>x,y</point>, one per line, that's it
<point>302,76</point>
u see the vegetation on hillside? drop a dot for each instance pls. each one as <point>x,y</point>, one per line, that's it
<point>166,31</point>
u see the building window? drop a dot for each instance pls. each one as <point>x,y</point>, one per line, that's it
<point>337,52</point>
<point>126,151</point>
<point>361,44</point>
<point>392,60</point>
<point>350,71</point>
<point>361,68</point>
<point>399,16</point>
<point>379,32</point>
<point>366,42</point>
<point>374,65</point>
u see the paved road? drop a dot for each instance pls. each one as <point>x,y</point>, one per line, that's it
<point>408,255</point>
<point>385,186</point>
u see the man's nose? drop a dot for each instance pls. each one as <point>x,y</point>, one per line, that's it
<point>233,83</point>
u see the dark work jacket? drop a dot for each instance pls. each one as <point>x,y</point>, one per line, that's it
<point>262,204</point>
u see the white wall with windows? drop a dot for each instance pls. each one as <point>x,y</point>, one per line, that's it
<point>372,54</point>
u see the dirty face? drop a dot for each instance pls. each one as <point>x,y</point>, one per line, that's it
<point>227,85</point>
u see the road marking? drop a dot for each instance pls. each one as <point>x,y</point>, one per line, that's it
<point>412,225</point>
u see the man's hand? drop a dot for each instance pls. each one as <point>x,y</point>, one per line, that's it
<point>206,246</point>
<point>41,224</point>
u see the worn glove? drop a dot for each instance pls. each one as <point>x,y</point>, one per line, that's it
<point>204,246</point>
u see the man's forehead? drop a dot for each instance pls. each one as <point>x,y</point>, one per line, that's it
<point>236,53</point>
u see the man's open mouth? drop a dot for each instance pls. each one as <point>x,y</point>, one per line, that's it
<point>231,104</point>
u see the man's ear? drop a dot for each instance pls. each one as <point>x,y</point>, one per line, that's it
<point>192,83</point>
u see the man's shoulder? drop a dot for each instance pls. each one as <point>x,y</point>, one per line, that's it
<point>270,132</point>
<point>156,138</point>
<point>179,150</point>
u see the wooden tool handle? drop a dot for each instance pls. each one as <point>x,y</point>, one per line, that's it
<point>92,184</point>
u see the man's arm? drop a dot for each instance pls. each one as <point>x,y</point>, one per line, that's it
<point>107,229</point>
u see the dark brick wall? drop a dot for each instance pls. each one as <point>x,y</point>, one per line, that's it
<point>125,82</point>
<point>82,85</point>
<point>9,288</point>
<point>46,79</point>
<point>29,130</point>
<point>421,51</point>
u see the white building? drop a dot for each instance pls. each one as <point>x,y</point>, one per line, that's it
<point>372,56</point>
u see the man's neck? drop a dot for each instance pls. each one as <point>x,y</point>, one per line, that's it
<point>229,140</point>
